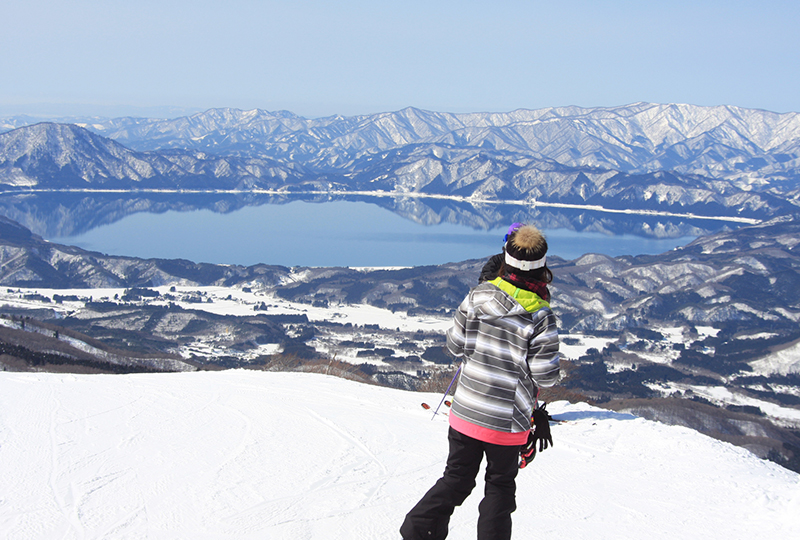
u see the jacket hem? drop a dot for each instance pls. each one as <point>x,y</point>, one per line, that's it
<point>487,435</point>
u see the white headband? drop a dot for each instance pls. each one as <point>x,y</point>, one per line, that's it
<point>525,265</point>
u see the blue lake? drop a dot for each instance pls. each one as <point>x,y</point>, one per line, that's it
<point>338,233</point>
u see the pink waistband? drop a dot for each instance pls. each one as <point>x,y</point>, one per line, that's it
<point>491,436</point>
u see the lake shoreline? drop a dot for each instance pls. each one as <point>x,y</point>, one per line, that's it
<point>531,203</point>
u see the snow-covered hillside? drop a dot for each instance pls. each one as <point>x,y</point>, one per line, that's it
<point>243,454</point>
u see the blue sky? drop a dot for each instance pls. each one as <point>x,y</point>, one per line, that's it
<point>314,58</point>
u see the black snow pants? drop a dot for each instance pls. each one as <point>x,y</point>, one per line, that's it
<point>430,517</point>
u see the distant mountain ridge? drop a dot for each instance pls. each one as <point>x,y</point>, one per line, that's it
<point>64,156</point>
<point>723,141</point>
<point>711,161</point>
<point>649,159</point>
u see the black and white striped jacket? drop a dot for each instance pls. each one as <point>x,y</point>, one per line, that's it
<point>508,340</point>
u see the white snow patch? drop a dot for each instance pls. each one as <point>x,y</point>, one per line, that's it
<point>707,331</point>
<point>759,335</point>
<point>720,394</point>
<point>573,346</point>
<point>783,362</point>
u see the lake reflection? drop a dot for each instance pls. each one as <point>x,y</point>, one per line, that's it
<point>337,233</point>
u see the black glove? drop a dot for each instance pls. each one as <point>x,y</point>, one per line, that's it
<point>540,419</point>
<point>541,427</point>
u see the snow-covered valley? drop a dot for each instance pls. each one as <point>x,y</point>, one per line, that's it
<point>382,327</point>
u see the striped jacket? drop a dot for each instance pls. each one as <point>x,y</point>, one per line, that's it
<point>508,340</point>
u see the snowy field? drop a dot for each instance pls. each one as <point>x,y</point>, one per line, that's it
<point>243,455</point>
<point>226,301</point>
<point>233,301</point>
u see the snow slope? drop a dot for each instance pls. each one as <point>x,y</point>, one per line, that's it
<point>245,454</point>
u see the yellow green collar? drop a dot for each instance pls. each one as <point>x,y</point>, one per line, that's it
<point>529,300</point>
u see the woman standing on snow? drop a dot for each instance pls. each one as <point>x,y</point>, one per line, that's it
<point>506,334</point>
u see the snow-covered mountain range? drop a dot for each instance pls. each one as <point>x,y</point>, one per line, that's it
<point>673,158</point>
<point>64,156</point>
<point>720,142</point>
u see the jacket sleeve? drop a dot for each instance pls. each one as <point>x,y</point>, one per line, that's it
<point>457,334</point>
<point>543,355</point>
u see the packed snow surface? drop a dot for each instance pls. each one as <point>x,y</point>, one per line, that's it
<point>245,455</point>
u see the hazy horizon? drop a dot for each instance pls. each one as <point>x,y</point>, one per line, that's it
<point>316,59</point>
